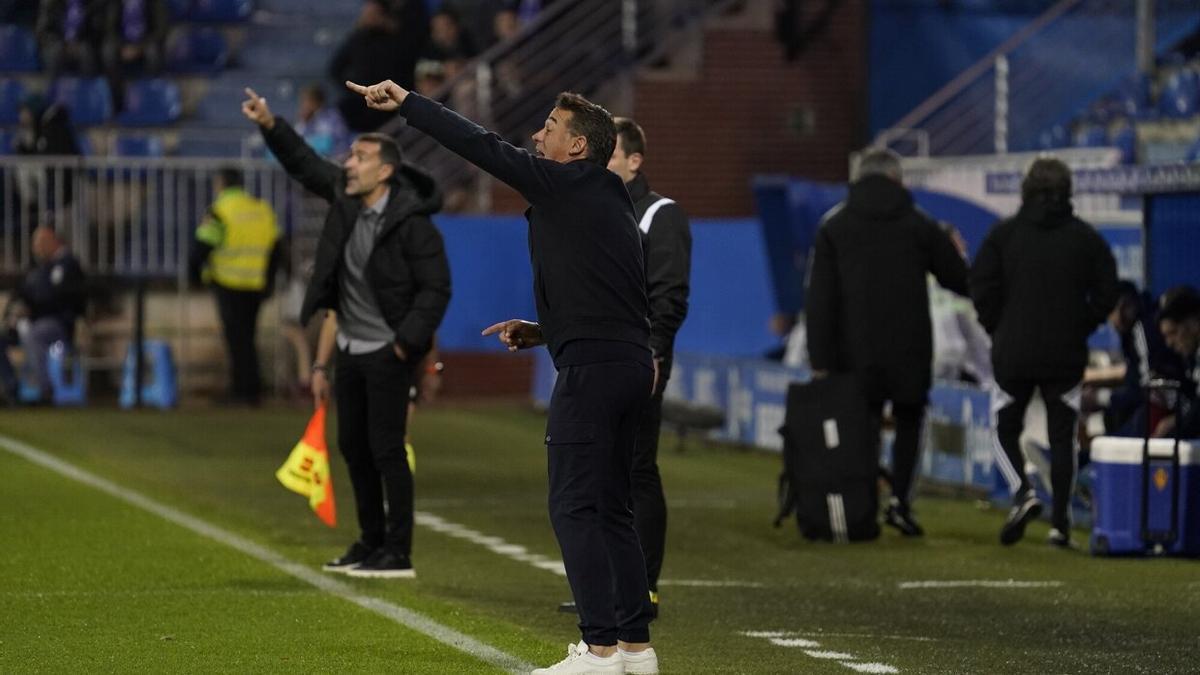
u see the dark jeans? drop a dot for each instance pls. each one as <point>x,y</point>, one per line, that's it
<point>594,415</point>
<point>906,447</point>
<point>1062,413</point>
<point>372,404</point>
<point>649,503</point>
<point>239,319</point>
<point>35,341</point>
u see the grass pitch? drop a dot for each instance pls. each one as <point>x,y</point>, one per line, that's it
<point>93,584</point>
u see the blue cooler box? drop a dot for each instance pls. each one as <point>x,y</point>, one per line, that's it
<point>1117,495</point>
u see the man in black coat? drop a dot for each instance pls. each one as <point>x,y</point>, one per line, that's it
<point>41,312</point>
<point>590,291</point>
<point>1042,282</point>
<point>867,308</point>
<point>382,274</point>
<point>667,247</point>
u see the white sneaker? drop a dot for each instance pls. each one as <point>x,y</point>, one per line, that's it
<point>640,663</point>
<point>580,661</point>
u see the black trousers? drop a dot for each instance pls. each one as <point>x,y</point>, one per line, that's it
<point>906,447</point>
<point>1062,413</point>
<point>590,435</point>
<point>649,503</point>
<point>372,403</point>
<point>239,321</point>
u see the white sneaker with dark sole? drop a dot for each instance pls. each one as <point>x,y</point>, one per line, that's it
<point>580,661</point>
<point>640,663</point>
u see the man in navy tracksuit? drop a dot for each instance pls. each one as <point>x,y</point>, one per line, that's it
<point>589,283</point>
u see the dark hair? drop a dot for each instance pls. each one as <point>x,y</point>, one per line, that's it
<point>231,176</point>
<point>449,14</point>
<point>1126,289</point>
<point>389,149</point>
<point>633,139</point>
<point>1048,182</point>
<point>316,91</point>
<point>1180,303</point>
<point>593,123</point>
<point>880,162</point>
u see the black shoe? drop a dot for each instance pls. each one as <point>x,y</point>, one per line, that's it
<point>384,564</point>
<point>1059,538</point>
<point>1026,507</point>
<point>899,516</point>
<point>354,555</point>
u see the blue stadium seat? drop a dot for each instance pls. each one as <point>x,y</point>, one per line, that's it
<point>1053,138</point>
<point>151,102</point>
<point>197,50</point>
<point>1180,97</point>
<point>88,99</point>
<point>1125,140</point>
<point>224,11</point>
<point>1194,152</point>
<point>7,139</point>
<point>179,9</point>
<point>1090,136</point>
<point>18,50</point>
<point>139,146</point>
<point>11,92</point>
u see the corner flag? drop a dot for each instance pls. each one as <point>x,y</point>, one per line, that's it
<point>306,470</point>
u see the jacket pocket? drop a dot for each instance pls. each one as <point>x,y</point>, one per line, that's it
<point>570,433</point>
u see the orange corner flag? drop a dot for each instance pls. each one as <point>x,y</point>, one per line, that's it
<point>306,470</point>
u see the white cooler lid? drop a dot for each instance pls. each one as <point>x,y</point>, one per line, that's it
<point>1113,450</point>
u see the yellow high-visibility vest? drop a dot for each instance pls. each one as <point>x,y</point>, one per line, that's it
<point>242,232</point>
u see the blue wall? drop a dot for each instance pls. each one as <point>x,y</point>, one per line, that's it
<point>731,298</point>
<point>916,47</point>
<point>1173,240</point>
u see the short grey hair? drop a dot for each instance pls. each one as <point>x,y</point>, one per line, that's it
<point>880,162</point>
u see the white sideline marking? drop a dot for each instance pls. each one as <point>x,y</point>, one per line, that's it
<point>810,634</point>
<point>519,553</point>
<point>794,642</point>
<point>766,633</point>
<point>397,613</point>
<point>870,667</point>
<point>978,583</point>
<point>828,655</point>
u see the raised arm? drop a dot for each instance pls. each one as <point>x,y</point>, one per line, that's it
<point>530,175</point>
<point>319,175</point>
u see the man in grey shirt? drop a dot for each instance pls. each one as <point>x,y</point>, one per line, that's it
<point>381,275</point>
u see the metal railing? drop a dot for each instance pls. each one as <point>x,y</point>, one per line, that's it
<point>1073,53</point>
<point>583,46</point>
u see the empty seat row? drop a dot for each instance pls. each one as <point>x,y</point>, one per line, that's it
<point>148,102</point>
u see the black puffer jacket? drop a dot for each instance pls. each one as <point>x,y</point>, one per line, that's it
<point>1042,282</point>
<point>867,307</point>
<point>407,270</point>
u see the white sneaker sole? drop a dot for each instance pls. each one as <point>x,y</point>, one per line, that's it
<point>382,574</point>
<point>338,569</point>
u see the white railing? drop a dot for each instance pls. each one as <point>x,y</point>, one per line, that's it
<point>1074,51</point>
<point>581,46</point>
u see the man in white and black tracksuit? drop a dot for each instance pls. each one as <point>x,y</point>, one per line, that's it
<point>1042,282</point>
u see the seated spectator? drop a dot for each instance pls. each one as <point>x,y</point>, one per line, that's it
<point>1179,321</point>
<point>1146,357</point>
<point>321,125</point>
<point>43,130</point>
<point>134,34</point>
<point>374,51</point>
<point>69,34</point>
<point>41,312</point>
<point>477,19</point>
<point>447,39</point>
<point>430,76</point>
<point>505,25</point>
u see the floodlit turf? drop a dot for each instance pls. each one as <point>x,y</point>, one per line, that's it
<point>94,584</point>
